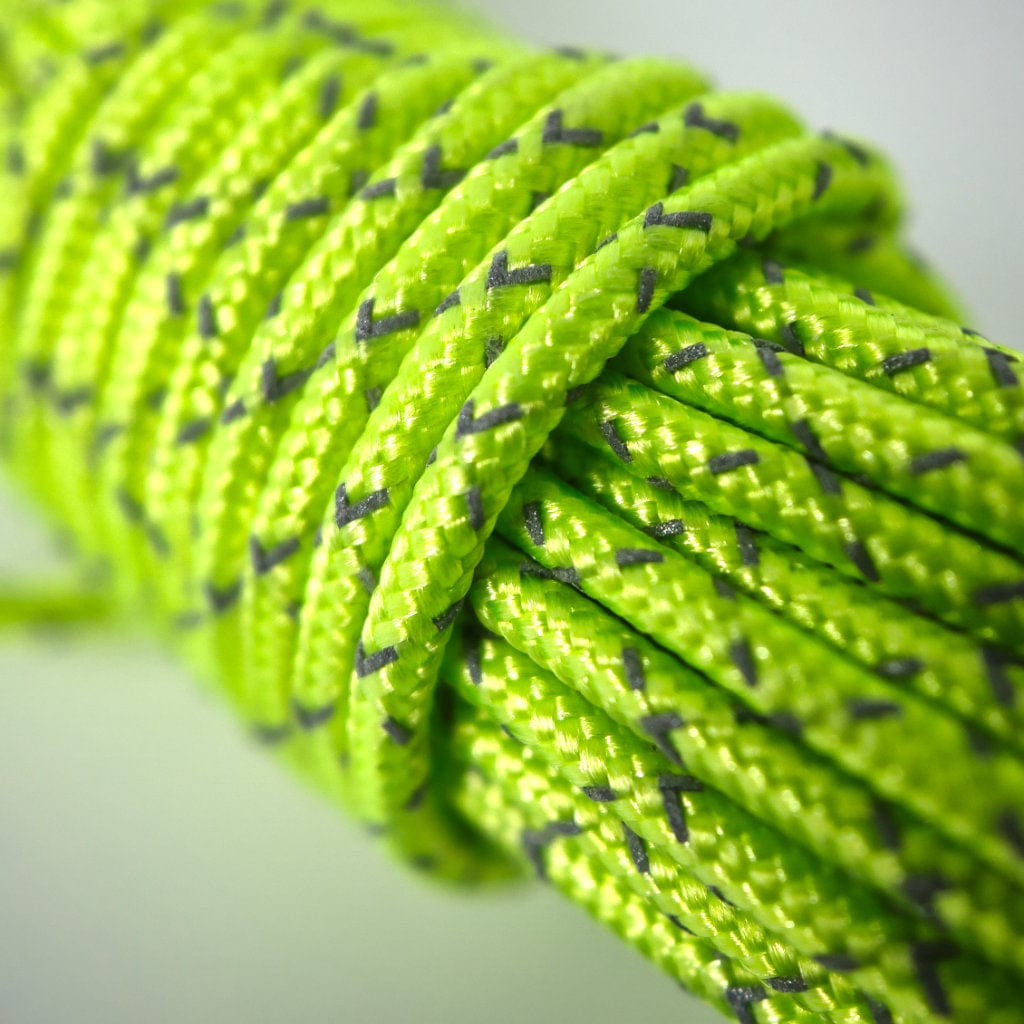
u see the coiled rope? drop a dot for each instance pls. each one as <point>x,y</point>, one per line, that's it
<point>560,462</point>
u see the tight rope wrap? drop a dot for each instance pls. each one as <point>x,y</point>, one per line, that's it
<point>560,462</point>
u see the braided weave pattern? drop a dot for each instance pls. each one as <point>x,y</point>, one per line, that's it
<point>559,461</point>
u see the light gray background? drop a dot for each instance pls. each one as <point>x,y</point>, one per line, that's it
<point>156,867</point>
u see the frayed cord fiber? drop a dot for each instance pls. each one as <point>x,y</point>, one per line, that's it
<point>561,462</point>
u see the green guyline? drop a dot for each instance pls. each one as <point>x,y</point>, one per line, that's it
<point>560,462</point>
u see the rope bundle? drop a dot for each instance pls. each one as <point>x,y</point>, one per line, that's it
<point>560,462</point>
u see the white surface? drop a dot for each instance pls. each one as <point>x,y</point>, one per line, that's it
<point>154,866</point>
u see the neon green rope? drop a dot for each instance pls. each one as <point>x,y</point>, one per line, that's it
<point>560,462</point>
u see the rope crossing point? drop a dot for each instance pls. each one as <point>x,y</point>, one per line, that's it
<point>560,461</point>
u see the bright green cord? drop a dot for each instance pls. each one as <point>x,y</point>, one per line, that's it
<point>563,464</point>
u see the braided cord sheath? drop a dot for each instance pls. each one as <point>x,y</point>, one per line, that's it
<point>980,684</point>
<point>676,813</point>
<point>299,306</point>
<point>864,713</point>
<point>365,463</point>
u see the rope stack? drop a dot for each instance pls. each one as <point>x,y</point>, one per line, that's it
<point>561,462</point>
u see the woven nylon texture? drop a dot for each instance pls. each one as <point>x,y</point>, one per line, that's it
<point>561,462</point>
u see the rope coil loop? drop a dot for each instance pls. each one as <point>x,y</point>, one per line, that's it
<point>561,462</point>
<point>503,421</point>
